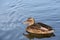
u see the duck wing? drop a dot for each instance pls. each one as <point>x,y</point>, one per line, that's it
<point>45,26</point>
<point>37,27</point>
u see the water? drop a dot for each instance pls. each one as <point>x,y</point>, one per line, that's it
<point>14,12</point>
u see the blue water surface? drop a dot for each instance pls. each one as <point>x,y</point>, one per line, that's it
<point>14,12</point>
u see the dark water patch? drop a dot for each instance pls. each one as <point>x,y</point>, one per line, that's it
<point>12,13</point>
<point>57,1</point>
<point>12,6</point>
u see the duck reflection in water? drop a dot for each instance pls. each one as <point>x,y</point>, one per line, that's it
<point>31,36</point>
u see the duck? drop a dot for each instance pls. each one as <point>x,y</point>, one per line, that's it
<point>37,28</point>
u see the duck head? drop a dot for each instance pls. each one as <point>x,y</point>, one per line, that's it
<point>29,21</point>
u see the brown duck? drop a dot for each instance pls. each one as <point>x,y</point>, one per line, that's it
<point>37,28</point>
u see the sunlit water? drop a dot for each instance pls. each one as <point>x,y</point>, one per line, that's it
<point>14,12</point>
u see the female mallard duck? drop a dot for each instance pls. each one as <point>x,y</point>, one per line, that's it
<point>37,28</point>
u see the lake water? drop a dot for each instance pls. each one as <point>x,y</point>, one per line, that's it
<point>14,12</point>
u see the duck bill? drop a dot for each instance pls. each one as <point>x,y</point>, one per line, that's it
<point>25,22</point>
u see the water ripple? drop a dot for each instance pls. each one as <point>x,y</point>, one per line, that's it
<point>14,12</point>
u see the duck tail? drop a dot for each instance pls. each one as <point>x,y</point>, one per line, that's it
<point>52,31</point>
